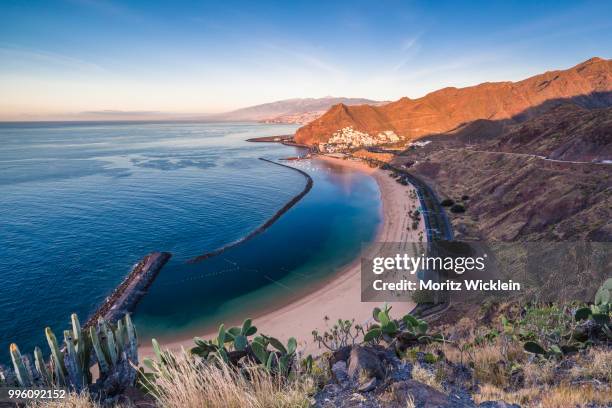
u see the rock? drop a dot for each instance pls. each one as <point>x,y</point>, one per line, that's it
<point>339,372</point>
<point>497,404</point>
<point>401,372</point>
<point>330,389</point>
<point>134,397</point>
<point>368,385</point>
<point>423,395</point>
<point>364,361</point>
<point>342,354</point>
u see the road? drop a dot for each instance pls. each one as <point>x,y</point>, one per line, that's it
<point>527,155</point>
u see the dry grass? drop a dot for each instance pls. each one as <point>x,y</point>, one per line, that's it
<point>490,360</point>
<point>463,329</point>
<point>410,402</point>
<point>575,396</point>
<point>563,396</point>
<point>597,365</point>
<point>73,400</point>
<point>424,376</point>
<point>539,373</point>
<point>487,367</point>
<point>191,383</point>
<point>490,392</point>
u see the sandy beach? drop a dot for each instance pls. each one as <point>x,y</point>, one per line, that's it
<point>340,296</point>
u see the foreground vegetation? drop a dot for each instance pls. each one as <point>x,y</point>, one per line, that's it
<point>544,355</point>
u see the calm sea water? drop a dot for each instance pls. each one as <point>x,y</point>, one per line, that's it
<point>81,203</point>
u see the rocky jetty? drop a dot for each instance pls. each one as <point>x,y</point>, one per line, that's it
<point>129,292</point>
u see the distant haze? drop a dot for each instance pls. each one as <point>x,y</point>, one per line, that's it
<point>296,106</point>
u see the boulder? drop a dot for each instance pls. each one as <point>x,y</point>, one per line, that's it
<point>342,354</point>
<point>339,373</point>
<point>369,385</point>
<point>365,361</point>
<point>497,404</point>
<point>423,395</point>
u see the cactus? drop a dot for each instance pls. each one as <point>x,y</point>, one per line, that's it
<point>308,364</point>
<point>157,367</point>
<point>385,327</point>
<point>113,348</point>
<point>600,310</point>
<point>554,351</point>
<point>582,314</point>
<point>109,337</point>
<point>534,348</point>
<point>102,362</point>
<point>604,294</point>
<point>21,371</point>
<point>404,332</point>
<point>41,367</point>
<point>233,344</point>
<point>131,346</point>
<point>72,361</point>
<point>237,337</point>
<point>280,361</point>
<point>259,349</point>
<point>58,357</point>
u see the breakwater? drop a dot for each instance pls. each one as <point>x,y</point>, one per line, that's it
<point>126,296</point>
<point>286,140</point>
<point>266,224</point>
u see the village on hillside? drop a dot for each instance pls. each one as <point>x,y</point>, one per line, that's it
<point>348,138</point>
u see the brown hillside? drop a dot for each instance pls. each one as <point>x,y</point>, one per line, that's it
<point>508,187</point>
<point>587,84</point>
<point>567,132</point>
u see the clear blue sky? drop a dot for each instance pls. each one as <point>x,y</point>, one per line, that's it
<point>61,58</point>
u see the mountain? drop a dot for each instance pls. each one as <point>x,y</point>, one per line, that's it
<point>298,110</point>
<point>588,84</point>
<point>567,132</point>
<point>532,181</point>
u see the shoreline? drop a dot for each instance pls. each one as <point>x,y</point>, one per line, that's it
<point>338,297</point>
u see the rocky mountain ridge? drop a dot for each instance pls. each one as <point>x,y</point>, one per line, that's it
<point>588,84</point>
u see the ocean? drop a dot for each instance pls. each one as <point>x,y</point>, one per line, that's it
<point>81,203</point>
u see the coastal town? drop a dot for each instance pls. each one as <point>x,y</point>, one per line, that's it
<point>348,138</point>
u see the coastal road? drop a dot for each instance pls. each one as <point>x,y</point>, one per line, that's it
<point>437,224</point>
<point>438,228</point>
<point>536,156</point>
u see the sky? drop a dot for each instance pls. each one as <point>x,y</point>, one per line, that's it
<point>96,59</point>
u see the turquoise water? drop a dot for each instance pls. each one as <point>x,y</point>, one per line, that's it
<point>81,203</point>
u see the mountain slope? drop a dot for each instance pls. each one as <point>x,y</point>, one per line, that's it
<point>588,84</point>
<point>292,109</point>
<point>531,181</point>
<point>567,132</point>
